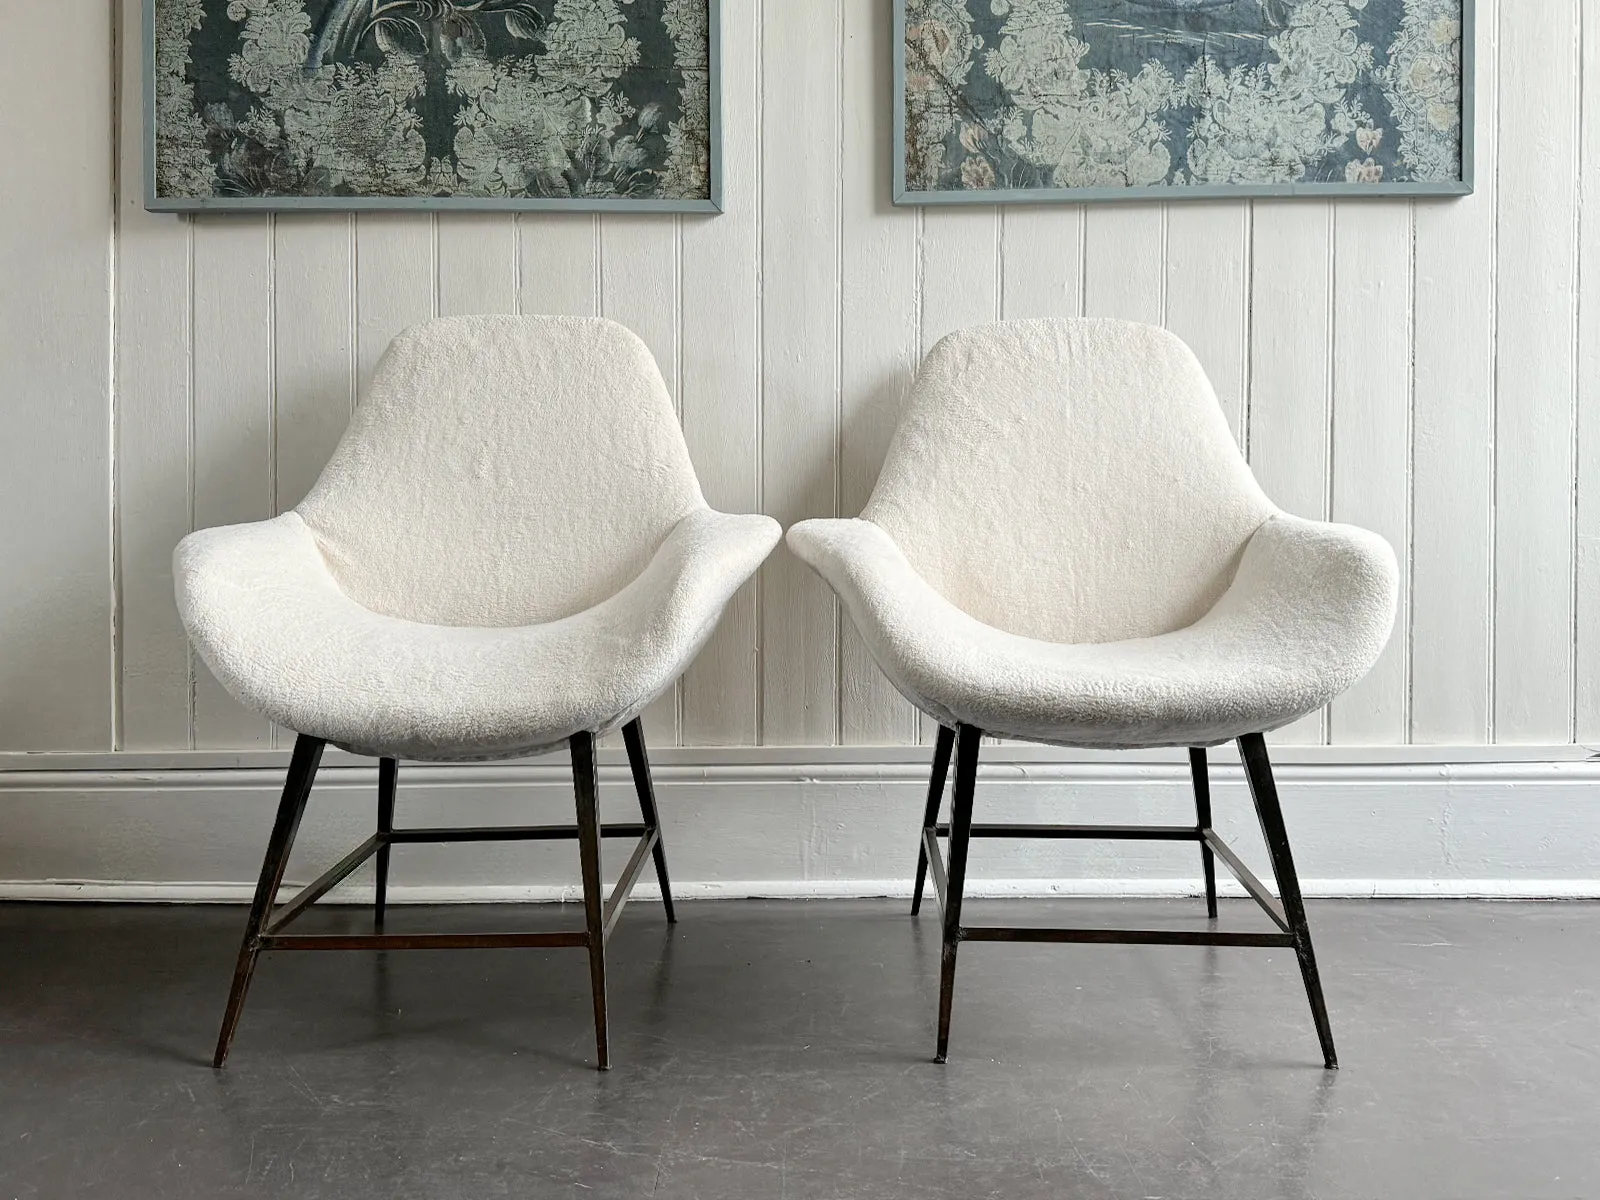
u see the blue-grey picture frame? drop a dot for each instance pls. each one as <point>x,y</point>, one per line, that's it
<point>711,204</point>
<point>905,195</point>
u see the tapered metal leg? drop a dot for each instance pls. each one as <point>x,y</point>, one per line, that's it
<point>1202,806</point>
<point>388,775</point>
<point>1258,769</point>
<point>968,740</point>
<point>930,815</point>
<point>639,763</point>
<point>587,788</point>
<point>296,791</point>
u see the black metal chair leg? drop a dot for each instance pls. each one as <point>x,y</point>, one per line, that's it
<point>1258,770</point>
<point>388,773</point>
<point>639,764</point>
<point>296,791</point>
<point>1202,806</point>
<point>586,787</point>
<point>968,739</point>
<point>930,815</point>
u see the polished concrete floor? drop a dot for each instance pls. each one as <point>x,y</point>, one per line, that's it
<point>773,1049</point>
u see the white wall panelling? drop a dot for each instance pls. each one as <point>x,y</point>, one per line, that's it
<point>396,272</point>
<point>1125,272</point>
<point>1430,369</point>
<point>800,196</point>
<point>1536,369</point>
<point>558,270</point>
<point>720,374</point>
<point>57,662</point>
<point>1586,595</point>
<point>1454,327</point>
<point>478,267</point>
<point>1042,261</point>
<point>153,447</point>
<point>1370,452</point>
<point>1207,266</point>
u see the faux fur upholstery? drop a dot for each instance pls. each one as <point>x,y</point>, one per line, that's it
<point>508,547</point>
<point>1066,546</point>
<point>503,470</point>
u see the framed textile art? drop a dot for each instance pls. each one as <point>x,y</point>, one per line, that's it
<point>1038,100</point>
<point>607,105</point>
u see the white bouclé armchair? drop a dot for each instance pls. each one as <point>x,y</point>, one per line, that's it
<point>509,552</point>
<point>1066,546</point>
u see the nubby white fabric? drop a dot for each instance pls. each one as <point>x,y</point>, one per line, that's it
<point>508,547</point>
<point>502,471</point>
<point>1066,546</point>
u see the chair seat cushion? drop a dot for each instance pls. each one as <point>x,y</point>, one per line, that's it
<point>1306,615</point>
<point>274,627</point>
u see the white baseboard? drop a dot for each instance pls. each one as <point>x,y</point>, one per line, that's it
<point>808,823</point>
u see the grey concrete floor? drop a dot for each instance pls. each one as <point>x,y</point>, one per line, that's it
<point>772,1049</point>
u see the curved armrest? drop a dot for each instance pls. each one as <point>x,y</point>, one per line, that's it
<point>691,577</point>
<point>263,567</point>
<point>862,563</point>
<point>1325,593</point>
<point>915,634</point>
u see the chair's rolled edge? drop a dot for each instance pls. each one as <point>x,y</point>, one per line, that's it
<point>1336,587</point>
<point>838,549</point>
<point>228,578</point>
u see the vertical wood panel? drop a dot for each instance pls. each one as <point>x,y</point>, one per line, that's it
<point>639,289</point>
<point>1042,271</point>
<point>559,271</point>
<point>1291,318</point>
<point>639,284</point>
<point>1208,297</point>
<point>1287,433</point>
<point>1372,434</point>
<point>1586,719</point>
<point>878,267</point>
<point>478,263</point>
<point>395,284</point>
<point>721,382</point>
<point>152,427</point>
<point>233,426</point>
<point>960,270</point>
<point>800,360</point>
<point>1535,374</point>
<point>1453,432</point>
<point>313,346</point>
<point>1124,275</point>
<point>56,677</point>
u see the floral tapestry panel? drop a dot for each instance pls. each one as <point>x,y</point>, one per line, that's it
<point>481,103</point>
<point>1175,97</point>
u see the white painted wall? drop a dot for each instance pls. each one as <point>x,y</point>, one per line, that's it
<point>57,669</point>
<point>1429,369</point>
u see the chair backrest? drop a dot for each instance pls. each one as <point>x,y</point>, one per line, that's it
<point>1073,481</point>
<point>503,471</point>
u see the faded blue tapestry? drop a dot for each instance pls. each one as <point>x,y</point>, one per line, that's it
<point>561,99</point>
<point>1044,94</point>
